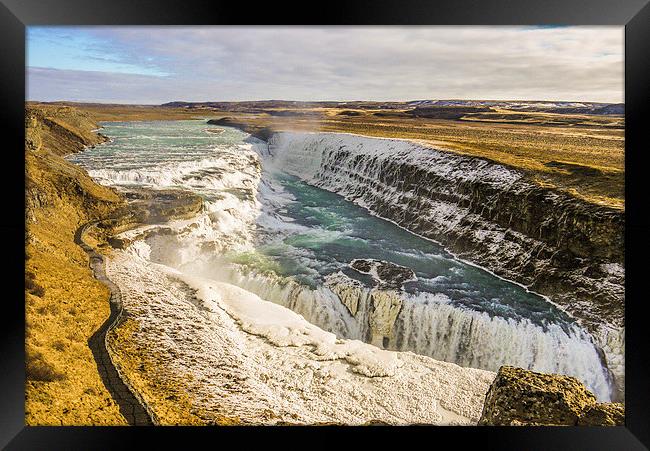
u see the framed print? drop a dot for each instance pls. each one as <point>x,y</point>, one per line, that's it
<point>390,216</point>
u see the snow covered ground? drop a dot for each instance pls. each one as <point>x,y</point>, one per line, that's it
<point>265,364</point>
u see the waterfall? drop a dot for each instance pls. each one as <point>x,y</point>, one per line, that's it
<point>441,195</point>
<point>477,340</point>
<point>319,306</point>
<point>429,324</point>
<point>397,180</point>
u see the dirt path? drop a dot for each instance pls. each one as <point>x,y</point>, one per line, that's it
<point>130,407</point>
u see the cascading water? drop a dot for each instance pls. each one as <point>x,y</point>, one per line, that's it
<point>272,231</point>
<point>432,325</point>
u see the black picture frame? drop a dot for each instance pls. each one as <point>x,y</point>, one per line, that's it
<point>15,15</point>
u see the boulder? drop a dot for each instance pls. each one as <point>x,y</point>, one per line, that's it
<point>527,398</point>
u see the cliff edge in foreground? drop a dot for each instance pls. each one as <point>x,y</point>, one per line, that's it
<point>64,304</point>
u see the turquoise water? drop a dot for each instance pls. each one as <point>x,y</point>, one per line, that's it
<point>341,231</point>
<point>145,145</point>
<point>182,154</point>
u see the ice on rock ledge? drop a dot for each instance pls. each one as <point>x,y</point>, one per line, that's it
<point>283,327</point>
<point>249,356</point>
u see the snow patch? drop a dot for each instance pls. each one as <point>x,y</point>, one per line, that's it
<point>266,364</point>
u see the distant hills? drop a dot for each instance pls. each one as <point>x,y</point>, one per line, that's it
<point>537,106</point>
<point>261,106</point>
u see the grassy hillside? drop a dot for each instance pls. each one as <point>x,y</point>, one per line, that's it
<point>64,304</point>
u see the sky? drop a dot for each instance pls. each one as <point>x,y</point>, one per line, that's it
<point>153,65</point>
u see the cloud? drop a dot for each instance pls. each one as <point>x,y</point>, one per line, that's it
<point>345,63</point>
<point>93,86</point>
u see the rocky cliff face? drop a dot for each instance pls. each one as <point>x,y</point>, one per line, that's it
<point>557,245</point>
<point>519,397</point>
<point>52,182</point>
<point>59,129</point>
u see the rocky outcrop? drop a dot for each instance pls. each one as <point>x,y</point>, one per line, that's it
<point>258,131</point>
<point>53,183</point>
<point>603,414</point>
<point>349,291</point>
<point>385,307</point>
<point>375,309</point>
<point>386,274</point>
<point>519,397</point>
<point>50,181</point>
<point>147,206</point>
<point>60,129</point>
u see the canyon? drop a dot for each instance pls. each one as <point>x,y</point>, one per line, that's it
<point>490,221</point>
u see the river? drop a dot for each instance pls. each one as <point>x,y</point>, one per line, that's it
<point>273,234</point>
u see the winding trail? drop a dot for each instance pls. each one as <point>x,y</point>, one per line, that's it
<point>131,407</point>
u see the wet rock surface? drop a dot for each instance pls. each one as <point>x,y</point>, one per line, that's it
<point>375,308</point>
<point>387,274</point>
<point>258,131</point>
<point>519,397</point>
<point>154,206</point>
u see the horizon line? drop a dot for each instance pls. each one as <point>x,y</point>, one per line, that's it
<point>326,101</point>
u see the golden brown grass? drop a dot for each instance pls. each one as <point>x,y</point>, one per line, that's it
<point>63,308</point>
<point>64,304</point>
<point>170,399</point>
<point>125,113</point>
<point>59,129</point>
